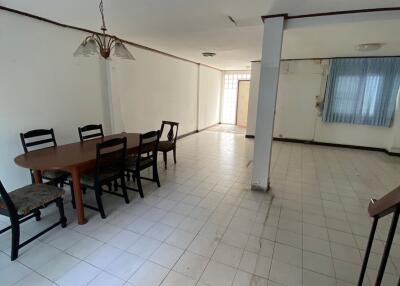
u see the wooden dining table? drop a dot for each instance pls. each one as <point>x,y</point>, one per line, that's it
<point>74,158</point>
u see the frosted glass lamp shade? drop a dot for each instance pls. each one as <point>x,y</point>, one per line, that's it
<point>87,48</point>
<point>122,52</point>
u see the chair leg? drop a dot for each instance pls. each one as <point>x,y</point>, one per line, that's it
<point>124,190</point>
<point>37,215</point>
<point>72,195</point>
<point>165,160</point>
<point>100,203</point>
<point>116,185</point>
<point>155,175</point>
<point>60,206</point>
<point>174,152</point>
<point>15,238</point>
<point>139,184</point>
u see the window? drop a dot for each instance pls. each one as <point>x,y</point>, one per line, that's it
<point>362,91</point>
<point>230,95</point>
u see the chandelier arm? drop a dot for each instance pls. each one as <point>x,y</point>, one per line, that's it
<point>98,41</point>
<point>111,42</point>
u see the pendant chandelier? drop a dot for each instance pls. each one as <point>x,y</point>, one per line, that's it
<point>103,44</point>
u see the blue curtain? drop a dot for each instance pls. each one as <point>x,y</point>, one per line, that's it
<point>362,91</point>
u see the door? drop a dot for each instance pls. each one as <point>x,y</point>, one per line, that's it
<point>242,102</point>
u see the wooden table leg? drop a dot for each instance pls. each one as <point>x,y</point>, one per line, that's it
<point>76,181</point>
<point>37,175</point>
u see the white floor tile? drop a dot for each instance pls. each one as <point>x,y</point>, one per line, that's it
<point>177,279</point>
<point>203,246</point>
<point>314,228</point>
<point>103,256</point>
<point>150,274</point>
<point>34,279</point>
<point>84,247</point>
<point>105,279</point>
<point>80,274</point>
<point>58,266</point>
<point>218,274</point>
<point>191,264</point>
<point>285,274</point>
<point>124,239</point>
<point>246,279</point>
<point>228,255</point>
<point>166,255</point>
<point>144,246</point>
<point>125,265</point>
<point>13,273</point>
<point>180,238</point>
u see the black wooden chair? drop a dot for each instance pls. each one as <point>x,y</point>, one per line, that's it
<point>25,203</point>
<point>169,144</point>
<point>91,131</point>
<point>39,139</point>
<point>145,158</point>
<point>110,166</point>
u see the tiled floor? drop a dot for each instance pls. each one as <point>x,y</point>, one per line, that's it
<point>205,227</point>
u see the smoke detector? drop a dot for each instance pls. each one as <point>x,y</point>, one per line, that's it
<point>208,54</point>
<point>368,47</point>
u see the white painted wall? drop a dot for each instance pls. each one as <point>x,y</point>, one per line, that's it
<point>42,86</point>
<point>253,98</point>
<point>297,117</point>
<point>210,82</point>
<point>154,88</point>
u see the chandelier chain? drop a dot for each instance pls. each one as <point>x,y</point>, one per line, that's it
<point>101,8</point>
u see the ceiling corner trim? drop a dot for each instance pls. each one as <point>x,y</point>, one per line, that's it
<point>39,18</point>
<point>266,17</point>
<point>331,13</point>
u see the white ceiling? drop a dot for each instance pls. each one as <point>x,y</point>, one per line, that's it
<point>186,28</point>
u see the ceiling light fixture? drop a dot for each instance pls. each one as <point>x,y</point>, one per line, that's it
<point>368,47</point>
<point>103,44</point>
<point>208,54</point>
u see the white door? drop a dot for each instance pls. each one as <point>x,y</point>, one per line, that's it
<point>242,102</point>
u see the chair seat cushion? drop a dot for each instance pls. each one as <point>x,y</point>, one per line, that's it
<point>165,146</point>
<point>130,163</point>
<point>88,179</point>
<point>32,197</point>
<point>54,174</point>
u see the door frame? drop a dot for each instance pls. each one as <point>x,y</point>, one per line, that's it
<point>237,98</point>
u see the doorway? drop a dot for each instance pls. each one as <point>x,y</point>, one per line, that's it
<point>242,102</point>
<point>229,95</point>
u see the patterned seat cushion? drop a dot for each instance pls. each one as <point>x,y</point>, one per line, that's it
<point>165,146</point>
<point>32,197</point>
<point>130,163</point>
<point>88,179</point>
<point>54,174</point>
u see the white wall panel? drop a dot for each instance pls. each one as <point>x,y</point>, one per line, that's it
<point>43,86</point>
<point>297,117</point>
<point>209,96</point>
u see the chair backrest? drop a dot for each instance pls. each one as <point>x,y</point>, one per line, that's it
<point>90,131</point>
<point>173,130</point>
<point>110,157</point>
<point>5,198</point>
<point>38,139</point>
<point>148,146</point>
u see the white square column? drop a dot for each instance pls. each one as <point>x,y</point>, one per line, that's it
<point>269,78</point>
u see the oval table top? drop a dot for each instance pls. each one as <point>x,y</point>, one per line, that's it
<point>64,157</point>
